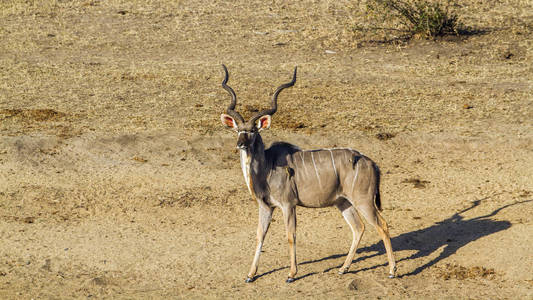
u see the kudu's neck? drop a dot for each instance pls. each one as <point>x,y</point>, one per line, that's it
<point>257,157</point>
<point>254,167</point>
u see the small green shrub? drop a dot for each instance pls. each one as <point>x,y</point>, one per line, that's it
<point>415,17</point>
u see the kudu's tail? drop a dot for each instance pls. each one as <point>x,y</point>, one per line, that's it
<point>377,198</point>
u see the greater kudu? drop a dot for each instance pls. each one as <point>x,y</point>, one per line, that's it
<point>284,176</point>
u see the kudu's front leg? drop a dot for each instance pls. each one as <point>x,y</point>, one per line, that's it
<point>289,214</point>
<point>265,216</point>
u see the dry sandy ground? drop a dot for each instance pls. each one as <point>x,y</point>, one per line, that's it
<point>117,180</point>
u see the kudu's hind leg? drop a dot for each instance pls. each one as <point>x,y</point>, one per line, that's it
<point>358,227</point>
<point>373,217</point>
<point>265,216</point>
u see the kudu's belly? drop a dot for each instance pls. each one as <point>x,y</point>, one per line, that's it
<point>316,196</point>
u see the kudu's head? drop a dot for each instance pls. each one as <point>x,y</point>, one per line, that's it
<point>248,130</point>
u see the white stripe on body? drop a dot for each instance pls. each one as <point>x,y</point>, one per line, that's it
<point>303,161</point>
<point>316,171</point>
<point>333,162</point>
<point>354,152</point>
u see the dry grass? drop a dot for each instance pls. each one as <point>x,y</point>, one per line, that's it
<point>109,126</point>
<point>31,115</point>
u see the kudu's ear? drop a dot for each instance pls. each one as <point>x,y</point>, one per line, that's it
<point>263,122</point>
<point>228,121</point>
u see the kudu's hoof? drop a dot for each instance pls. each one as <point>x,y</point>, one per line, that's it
<point>289,280</point>
<point>393,272</point>
<point>342,272</point>
<point>248,279</point>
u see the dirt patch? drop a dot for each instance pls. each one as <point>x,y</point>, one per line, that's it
<point>453,271</point>
<point>139,159</point>
<point>117,179</point>
<point>383,136</point>
<point>30,115</point>
<point>416,182</point>
<point>197,197</point>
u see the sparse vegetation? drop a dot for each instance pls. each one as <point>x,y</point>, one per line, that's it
<point>419,18</point>
<point>88,85</point>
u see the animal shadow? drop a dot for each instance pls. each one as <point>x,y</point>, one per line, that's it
<point>452,233</point>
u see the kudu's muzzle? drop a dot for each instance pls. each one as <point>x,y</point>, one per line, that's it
<point>245,140</point>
